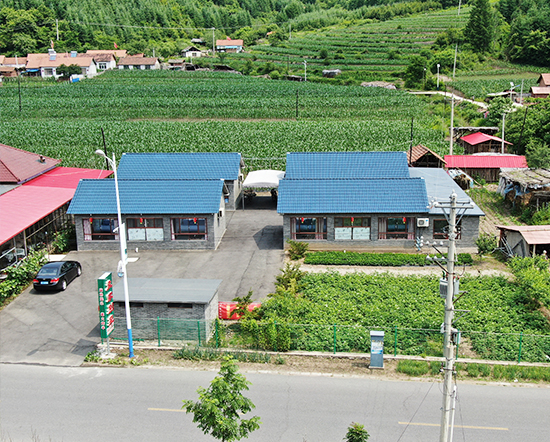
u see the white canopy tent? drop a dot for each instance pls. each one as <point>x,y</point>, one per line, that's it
<point>263,178</point>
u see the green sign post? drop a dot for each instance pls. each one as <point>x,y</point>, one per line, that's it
<point>106,307</point>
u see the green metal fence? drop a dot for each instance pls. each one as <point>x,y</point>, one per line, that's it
<point>334,338</point>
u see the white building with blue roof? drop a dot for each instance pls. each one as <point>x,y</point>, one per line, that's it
<point>347,200</point>
<point>168,201</point>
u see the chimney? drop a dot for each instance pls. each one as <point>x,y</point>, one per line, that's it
<point>73,54</point>
<point>52,54</point>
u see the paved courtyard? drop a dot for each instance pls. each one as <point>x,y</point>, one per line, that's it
<point>60,328</point>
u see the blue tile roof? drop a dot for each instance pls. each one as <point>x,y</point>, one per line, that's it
<point>340,165</point>
<point>398,195</point>
<point>439,186</point>
<point>179,166</point>
<point>96,197</point>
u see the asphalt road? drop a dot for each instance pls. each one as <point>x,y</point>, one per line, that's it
<point>134,404</point>
<point>60,328</point>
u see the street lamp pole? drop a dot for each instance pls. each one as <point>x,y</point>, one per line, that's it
<point>123,254</point>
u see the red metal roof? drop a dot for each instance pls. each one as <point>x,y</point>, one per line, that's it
<point>479,137</point>
<point>484,161</point>
<point>23,206</point>
<point>18,166</point>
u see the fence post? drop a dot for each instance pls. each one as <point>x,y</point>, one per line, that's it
<point>158,329</point>
<point>276,336</point>
<point>395,341</point>
<point>520,342</point>
<point>217,338</point>
<point>334,340</point>
<point>199,331</point>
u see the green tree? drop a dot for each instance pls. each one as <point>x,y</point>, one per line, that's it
<point>66,71</point>
<point>219,407</point>
<point>414,74</point>
<point>479,31</point>
<point>537,154</point>
<point>356,433</point>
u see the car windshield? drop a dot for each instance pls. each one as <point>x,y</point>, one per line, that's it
<point>48,272</point>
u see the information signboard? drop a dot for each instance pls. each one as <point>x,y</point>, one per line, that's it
<point>106,307</point>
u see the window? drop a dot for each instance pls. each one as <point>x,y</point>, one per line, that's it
<point>122,305</point>
<point>308,228</point>
<point>441,229</point>
<point>180,305</point>
<point>102,66</point>
<point>351,228</point>
<point>145,229</point>
<point>189,228</point>
<point>100,229</point>
<point>396,228</point>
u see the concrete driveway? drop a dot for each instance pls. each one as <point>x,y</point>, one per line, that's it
<point>60,328</point>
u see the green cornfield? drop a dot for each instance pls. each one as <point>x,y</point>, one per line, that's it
<point>165,111</point>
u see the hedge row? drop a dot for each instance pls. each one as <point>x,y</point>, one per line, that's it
<point>376,259</point>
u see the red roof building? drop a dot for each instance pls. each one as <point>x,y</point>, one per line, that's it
<point>39,206</point>
<point>19,166</point>
<point>486,167</point>
<point>480,142</point>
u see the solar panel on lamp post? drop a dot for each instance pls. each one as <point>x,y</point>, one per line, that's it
<point>123,254</point>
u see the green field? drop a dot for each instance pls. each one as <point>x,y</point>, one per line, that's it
<point>377,48</point>
<point>164,111</point>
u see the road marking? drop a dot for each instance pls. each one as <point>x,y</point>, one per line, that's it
<point>165,409</point>
<point>457,426</point>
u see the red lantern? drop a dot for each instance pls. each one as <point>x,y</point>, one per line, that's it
<point>352,219</point>
<point>302,220</point>
<point>91,220</point>
<point>195,220</point>
<point>141,220</point>
<point>404,220</point>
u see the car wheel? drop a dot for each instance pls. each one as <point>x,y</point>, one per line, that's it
<point>63,284</point>
<point>78,271</point>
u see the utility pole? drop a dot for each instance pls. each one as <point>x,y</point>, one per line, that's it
<point>449,391</point>
<point>57,29</point>
<point>305,70</point>
<point>503,124</point>
<point>213,41</point>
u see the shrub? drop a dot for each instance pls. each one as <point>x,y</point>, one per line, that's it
<point>18,277</point>
<point>486,243</point>
<point>297,249</point>
<point>413,368</point>
<point>476,370</point>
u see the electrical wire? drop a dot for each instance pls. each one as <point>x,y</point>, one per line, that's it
<point>416,411</point>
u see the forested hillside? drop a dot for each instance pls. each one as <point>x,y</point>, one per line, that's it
<point>518,30</point>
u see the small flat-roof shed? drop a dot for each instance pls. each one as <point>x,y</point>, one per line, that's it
<point>174,309</point>
<point>525,241</point>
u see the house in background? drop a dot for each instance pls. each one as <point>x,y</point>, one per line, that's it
<point>543,89</point>
<point>104,61</point>
<point>365,200</point>
<point>46,65</point>
<point>10,66</point>
<point>484,166</point>
<point>138,62</point>
<point>479,142</point>
<point>191,52</point>
<point>421,156</point>
<point>229,45</point>
<point>117,53</point>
